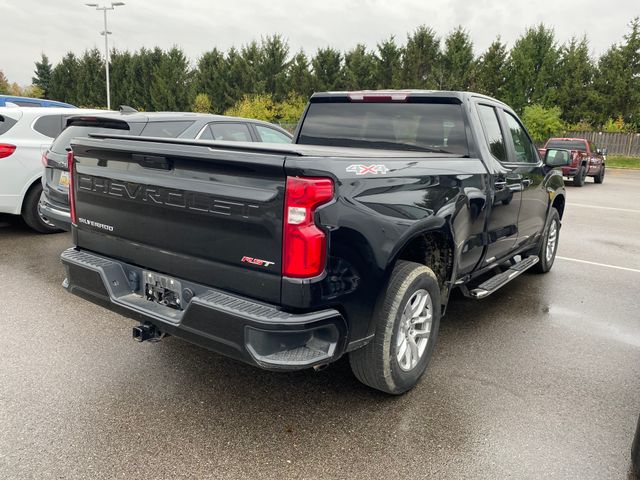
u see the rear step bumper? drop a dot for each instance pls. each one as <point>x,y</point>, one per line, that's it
<point>244,329</point>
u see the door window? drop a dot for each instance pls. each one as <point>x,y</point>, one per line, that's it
<point>231,132</point>
<point>525,151</point>
<point>166,129</point>
<point>492,132</point>
<point>270,135</point>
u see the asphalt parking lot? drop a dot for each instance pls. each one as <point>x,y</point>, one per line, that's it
<point>540,380</point>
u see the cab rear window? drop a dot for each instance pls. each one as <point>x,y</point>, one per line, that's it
<point>578,145</point>
<point>432,127</point>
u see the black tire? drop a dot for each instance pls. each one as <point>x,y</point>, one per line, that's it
<point>600,177</point>
<point>581,176</point>
<point>377,364</point>
<point>30,213</point>
<point>546,262</point>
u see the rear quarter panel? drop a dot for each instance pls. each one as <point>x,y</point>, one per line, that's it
<point>375,215</point>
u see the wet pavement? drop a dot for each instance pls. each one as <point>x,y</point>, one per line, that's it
<point>540,380</point>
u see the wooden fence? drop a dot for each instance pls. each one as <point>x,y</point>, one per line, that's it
<point>627,144</point>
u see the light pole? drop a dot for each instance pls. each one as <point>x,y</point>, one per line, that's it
<point>106,34</point>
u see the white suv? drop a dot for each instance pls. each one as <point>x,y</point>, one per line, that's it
<point>25,134</point>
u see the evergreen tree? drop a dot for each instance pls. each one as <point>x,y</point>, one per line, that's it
<point>272,66</point>
<point>170,86</point>
<point>64,80</point>
<point>532,72</point>
<point>91,83</point>
<point>4,83</point>
<point>575,82</point>
<point>300,79</point>
<point>359,71</point>
<point>617,81</point>
<point>631,57</point>
<point>327,69</point>
<point>389,64</point>
<point>141,73</point>
<point>211,79</point>
<point>251,54</point>
<point>421,59</point>
<point>43,74</point>
<point>490,73</point>
<point>457,61</point>
<point>240,78</point>
<point>123,91</point>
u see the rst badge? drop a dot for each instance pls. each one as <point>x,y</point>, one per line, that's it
<point>359,169</point>
<point>257,261</point>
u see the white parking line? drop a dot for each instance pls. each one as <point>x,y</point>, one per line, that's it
<point>599,264</point>
<point>603,208</point>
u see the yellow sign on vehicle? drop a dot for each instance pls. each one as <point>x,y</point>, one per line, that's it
<point>63,183</point>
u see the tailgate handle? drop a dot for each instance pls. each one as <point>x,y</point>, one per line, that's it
<point>151,161</point>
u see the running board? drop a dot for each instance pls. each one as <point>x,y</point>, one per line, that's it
<point>500,280</point>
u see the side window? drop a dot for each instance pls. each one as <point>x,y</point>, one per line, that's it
<point>6,123</point>
<point>271,135</point>
<point>206,133</point>
<point>230,132</point>
<point>492,132</point>
<point>524,149</point>
<point>165,129</point>
<point>49,125</point>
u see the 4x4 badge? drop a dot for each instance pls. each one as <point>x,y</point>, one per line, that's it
<point>359,169</point>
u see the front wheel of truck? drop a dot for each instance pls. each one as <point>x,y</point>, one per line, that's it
<point>407,321</point>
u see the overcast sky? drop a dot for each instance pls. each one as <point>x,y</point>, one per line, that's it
<point>55,27</point>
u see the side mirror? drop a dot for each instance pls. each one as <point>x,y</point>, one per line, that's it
<point>599,151</point>
<point>557,158</point>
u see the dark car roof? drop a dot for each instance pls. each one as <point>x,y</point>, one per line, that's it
<point>135,117</point>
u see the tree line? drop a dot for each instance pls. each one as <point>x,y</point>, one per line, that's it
<point>537,71</point>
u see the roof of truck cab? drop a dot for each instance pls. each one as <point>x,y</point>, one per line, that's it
<point>460,95</point>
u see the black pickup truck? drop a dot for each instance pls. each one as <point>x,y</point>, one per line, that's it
<point>348,241</point>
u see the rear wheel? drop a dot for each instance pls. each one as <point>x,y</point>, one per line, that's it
<point>600,177</point>
<point>549,243</point>
<point>406,330</point>
<point>31,214</point>
<point>580,177</point>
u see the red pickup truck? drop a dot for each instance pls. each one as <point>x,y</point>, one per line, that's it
<point>586,159</point>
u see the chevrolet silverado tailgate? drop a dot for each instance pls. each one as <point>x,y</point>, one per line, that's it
<point>204,214</point>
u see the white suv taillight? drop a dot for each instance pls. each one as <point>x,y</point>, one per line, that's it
<point>6,149</point>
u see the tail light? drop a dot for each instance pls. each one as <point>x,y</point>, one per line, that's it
<point>72,190</point>
<point>6,149</point>
<point>304,252</point>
